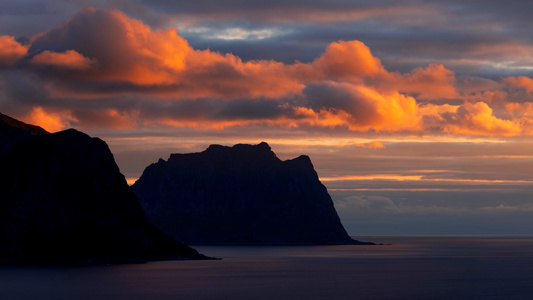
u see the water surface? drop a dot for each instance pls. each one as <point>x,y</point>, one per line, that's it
<point>413,267</point>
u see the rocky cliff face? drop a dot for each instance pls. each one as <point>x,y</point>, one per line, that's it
<point>239,195</point>
<point>64,200</point>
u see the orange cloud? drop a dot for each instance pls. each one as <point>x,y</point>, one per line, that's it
<point>69,59</point>
<point>107,118</point>
<point>51,122</point>
<point>348,59</point>
<point>432,82</point>
<point>11,51</point>
<point>160,61</point>
<point>210,73</point>
<point>523,113</point>
<point>374,145</point>
<point>324,118</point>
<point>520,82</point>
<point>478,119</point>
<point>366,108</point>
<point>125,48</point>
<point>118,54</point>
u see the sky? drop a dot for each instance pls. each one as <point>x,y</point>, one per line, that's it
<point>417,115</point>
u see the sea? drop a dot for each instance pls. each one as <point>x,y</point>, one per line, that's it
<point>406,267</point>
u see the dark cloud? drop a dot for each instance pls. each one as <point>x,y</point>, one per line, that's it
<point>252,109</point>
<point>277,11</point>
<point>330,96</point>
<point>21,89</point>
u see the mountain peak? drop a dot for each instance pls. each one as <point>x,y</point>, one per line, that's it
<point>260,153</point>
<point>263,146</point>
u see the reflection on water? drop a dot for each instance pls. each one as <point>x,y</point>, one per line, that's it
<point>413,267</point>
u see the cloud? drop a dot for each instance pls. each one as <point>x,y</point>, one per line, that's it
<point>125,48</point>
<point>432,82</point>
<point>346,60</point>
<point>365,107</point>
<point>106,118</point>
<point>51,122</point>
<point>109,52</point>
<point>520,82</point>
<point>478,119</point>
<point>107,69</point>
<point>503,209</point>
<point>70,60</point>
<point>283,11</point>
<point>463,36</point>
<point>375,204</point>
<point>374,145</point>
<point>523,114</point>
<point>129,53</point>
<point>370,204</point>
<point>11,51</point>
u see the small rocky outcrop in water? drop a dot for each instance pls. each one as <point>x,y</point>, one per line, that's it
<point>64,200</point>
<point>239,195</point>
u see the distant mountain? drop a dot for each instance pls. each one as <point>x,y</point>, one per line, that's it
<point>239,195</point>
<point>64,200</point>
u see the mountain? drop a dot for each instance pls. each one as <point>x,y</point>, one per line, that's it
<point>239,195</point>
<point>13,131</point>
<point>64,200</point>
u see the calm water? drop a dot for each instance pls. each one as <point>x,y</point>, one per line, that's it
<point>412,268</point>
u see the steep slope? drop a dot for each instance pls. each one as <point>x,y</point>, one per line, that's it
<point>239,195</point>
<point>64,200</point>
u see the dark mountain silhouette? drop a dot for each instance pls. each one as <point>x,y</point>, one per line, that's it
<point>239,195</point>
<point>64,200</point>
<point>13,131</point>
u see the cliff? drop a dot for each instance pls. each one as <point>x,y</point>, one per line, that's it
<point>239,195</point>
<point>64,200</point>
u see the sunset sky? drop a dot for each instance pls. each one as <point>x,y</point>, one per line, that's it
<point>417,115</point>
